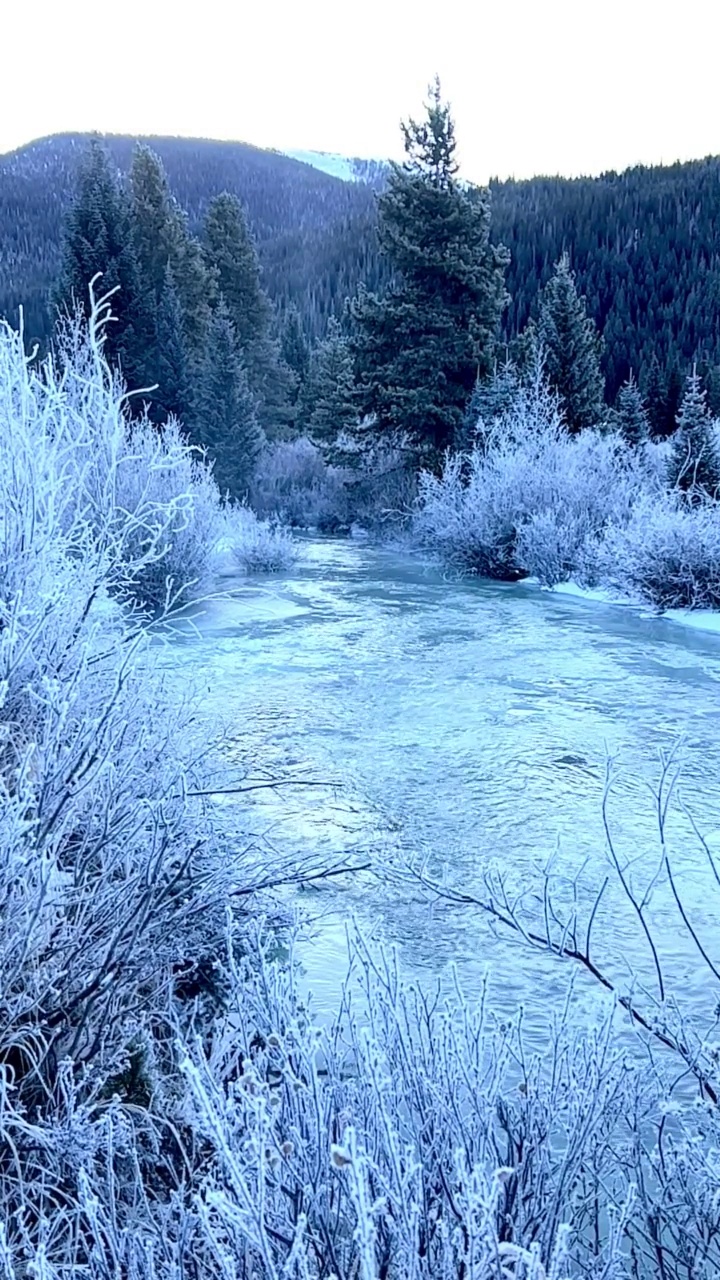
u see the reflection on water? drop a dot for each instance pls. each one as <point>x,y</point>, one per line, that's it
<point>459,723</point>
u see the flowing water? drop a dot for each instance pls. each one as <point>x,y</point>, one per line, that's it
<point>462,724</point>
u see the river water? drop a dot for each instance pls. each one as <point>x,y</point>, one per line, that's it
<point>463,725</point>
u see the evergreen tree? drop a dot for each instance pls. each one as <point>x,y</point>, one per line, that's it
<point>492,397</point>
<point>420,347</point>
<point>630,416</point>
<point>157,224</point>
<point>98,239</point>
<point>294,345</point>
<point>162,240</point>
<point>571,345</point>
<point>656,400</point>
<point>330,408</point>
<point>197,290</point>
<point>232,257</point>
<point>173,395</point>
<point>295,353</point>
<point>275,387</point>
<point>694,465</point>
<point>226,422</point>
<point>675,383</point>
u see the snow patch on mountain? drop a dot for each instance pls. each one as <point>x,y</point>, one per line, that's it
<point>343,167</point>
<point>337,166</point>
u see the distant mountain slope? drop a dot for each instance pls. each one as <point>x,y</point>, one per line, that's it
<point>314,231</point>
<point>645,244</point>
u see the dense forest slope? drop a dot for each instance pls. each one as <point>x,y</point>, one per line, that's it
<point>314,231</point>
<point>645,244</point>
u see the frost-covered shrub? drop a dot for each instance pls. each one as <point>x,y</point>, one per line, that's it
<point>529,499</point>
<point>259,546</point>
<point>667,554</point>
<point>147,495</point>
<point>294,484</point>
<point>375,486</point>
<point>113,893</point>
<point>405,1140</point>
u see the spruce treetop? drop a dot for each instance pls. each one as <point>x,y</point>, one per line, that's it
<point>430,145</point>
<point>419,347</point>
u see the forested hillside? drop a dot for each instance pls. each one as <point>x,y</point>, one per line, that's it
<point>313,231</point>
<point>645,248</point>
<point>644,245</point>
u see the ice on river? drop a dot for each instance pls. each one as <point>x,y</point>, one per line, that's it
<point>461,723</point>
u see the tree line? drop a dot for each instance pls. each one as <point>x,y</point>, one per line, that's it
<point>644,246</point>
<point>418,358</point>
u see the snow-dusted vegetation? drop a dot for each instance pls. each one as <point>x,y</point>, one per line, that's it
<point>529,499</point>
<point>260,546</point>
<point>167,1106</point>
<point>293,482</point>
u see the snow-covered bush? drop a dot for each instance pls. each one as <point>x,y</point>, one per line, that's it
<point>293,483</point>
<point>259,546</point>
<point>113,894</point>
<point>667,554</point>
<point>404,1140</point>
<point>529,499</point>
<point>375,486</point>
<point>147,495</point>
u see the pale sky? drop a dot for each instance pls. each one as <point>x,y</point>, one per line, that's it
<point>537,86</point>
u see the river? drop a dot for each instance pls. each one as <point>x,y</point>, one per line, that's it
<point>462,724</point>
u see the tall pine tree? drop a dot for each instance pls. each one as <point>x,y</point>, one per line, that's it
<point>174,391</point>
<point>162,240</point>
<point>226,415</point>
<point>571,347</point>
<point>330,409</point>
<point>420,347</point>
<point>98,239</point>
<point>155,218</point>
<point>294,345</point>
<point>694,465</point>
<point>232,257</point>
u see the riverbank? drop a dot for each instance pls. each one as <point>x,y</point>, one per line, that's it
<point>699,619</point>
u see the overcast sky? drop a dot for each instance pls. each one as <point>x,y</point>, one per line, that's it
<point>537,86</point>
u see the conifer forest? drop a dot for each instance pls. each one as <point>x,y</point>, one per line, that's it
<point>359,719</point>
